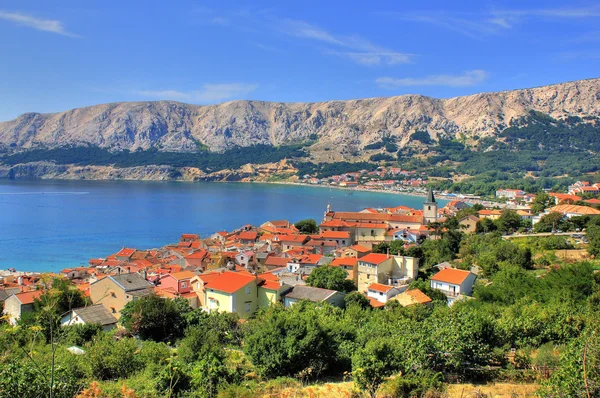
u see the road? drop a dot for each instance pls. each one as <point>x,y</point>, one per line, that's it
<point>542,234</point>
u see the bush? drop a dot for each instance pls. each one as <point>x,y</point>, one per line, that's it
<point>110,360</point>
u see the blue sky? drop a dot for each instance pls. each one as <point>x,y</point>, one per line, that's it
<point>58,55</point>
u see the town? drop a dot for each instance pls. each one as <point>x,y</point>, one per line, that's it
<point>254,267</point>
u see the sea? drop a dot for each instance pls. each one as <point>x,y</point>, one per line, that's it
<point>49,225</point>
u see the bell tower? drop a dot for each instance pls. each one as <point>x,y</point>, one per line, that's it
<point>430,208</point>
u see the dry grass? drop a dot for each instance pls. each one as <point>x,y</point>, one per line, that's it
<point>497,390</point>
<point>574,254</point>
<point>347,389</point>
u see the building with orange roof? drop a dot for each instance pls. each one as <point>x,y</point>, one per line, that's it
<point>124,254</point>
<point>350,265</point>
<point>453,282</point>
<point>197,259</point>
<point>232,292</point>
<point>356,251</point>
<point>564,198</point>
<point>396,271</point>
<point>574,210</point>
<point>381,292</point>
<point>412,297</point>
<point>19,303</point>
<point>492,214</point>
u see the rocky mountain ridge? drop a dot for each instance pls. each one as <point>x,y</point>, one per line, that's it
<point>346,126</point>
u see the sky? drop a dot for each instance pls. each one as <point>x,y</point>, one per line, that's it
<point>59,55</point>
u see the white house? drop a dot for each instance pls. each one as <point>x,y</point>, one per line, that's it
<point>93,314</point>
<point>19,303</point>
<point>453,282</point>
<point>383,293</point>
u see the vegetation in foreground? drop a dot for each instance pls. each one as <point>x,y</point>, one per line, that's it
<point>519,327</point>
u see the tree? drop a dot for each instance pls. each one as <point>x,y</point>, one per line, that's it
<point>109,359</point>
<point>509,221</point>
<point>333,278</point>
<point>308,226</point>
<point>541,202</point>
<point>395,247</point>
<point>285,342</point>
<point>372,364</point>
<point>549,223</point>
<point>357,299</point>
<point>485,226</point>
<point>593,235</point>
<point>153,318</point>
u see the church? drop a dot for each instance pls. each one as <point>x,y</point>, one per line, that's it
<point>372,226</point>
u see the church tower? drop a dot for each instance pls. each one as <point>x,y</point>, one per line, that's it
<point>430,209</point>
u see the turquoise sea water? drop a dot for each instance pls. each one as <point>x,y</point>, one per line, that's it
<point>50,225</point>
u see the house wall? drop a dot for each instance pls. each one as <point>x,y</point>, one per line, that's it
<point>368,275</point>
<point>112,297</point>
<point>266,297</point>
<point>336,300</point>
<point>12,308</point>
<point>236,302</point>
<point>246,300</point>
<point>169,281</point>
<point>222,302</point>
<point>71,320</point>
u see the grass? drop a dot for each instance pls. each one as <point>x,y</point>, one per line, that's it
<point>496,390</point>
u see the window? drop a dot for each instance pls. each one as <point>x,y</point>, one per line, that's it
<point>113,295</point>
<point>247,289</point>
<point>183,285</point>
<point>112,309</point>
<point>247,307</point>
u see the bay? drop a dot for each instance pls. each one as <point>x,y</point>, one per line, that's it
<point>48,225</point>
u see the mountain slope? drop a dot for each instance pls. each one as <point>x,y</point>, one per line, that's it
<point>347,126</point>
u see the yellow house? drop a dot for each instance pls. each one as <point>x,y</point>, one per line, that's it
<point>270,292</point>
<point>232,292</point>
<point>387,270</point>
<point>115,291</point>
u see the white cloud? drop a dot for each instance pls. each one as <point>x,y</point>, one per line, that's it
<point>490,22</point>
<point>207,94</point>
<point>468,78</point>
<point>354,48</point>
<point>46,25</point>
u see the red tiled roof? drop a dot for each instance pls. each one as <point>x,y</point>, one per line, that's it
<point>575,209</point>
<point>183,275</point>
<point>336,234</point>
<point>451,275</point>
<point>368,225</point>
<point>230,282</point>
<point>378,287</point>
<point>190,236</point>
<point>278,261</point>
<point>200,254</point>
<point>405,218</point>
<point>344,262</point>
<point>360,248</point>
<point>374,258</point>
<point>311,259</point>
<point>361,216</point>
<point>271,284</point>
<point>29,297</point>
<point>375,303</point>
<point>418,296</point>
<point>125,252</point>
<point>208,277</point>
<point>248,235</point>
<point>333,224</point>
<point>292,238</point>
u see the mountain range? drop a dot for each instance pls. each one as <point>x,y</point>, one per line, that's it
<point>331,131</point>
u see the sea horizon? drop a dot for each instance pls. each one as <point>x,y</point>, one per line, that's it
<point>49,225</point>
